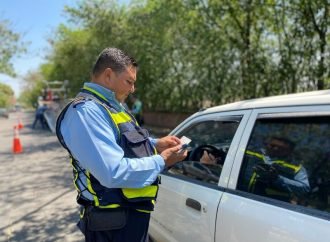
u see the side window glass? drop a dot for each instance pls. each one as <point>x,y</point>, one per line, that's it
<point>288,159</point>
<point>208,149</point>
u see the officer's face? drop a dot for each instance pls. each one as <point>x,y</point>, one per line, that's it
<point>124,83</point>
<point>278,148</point>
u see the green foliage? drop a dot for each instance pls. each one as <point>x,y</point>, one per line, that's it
<point>9,47</point>
<point>196,53</point>
<point>34,84</point>
<point>6,95</point>
<point>72,58</point>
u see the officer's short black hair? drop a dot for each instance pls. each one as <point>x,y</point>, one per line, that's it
<point>115,59</point>
<point>287,141</point>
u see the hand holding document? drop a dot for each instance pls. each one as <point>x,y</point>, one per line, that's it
<point>185,143</point>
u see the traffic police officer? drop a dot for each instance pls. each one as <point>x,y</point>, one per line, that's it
<point>115,162</point>
<point>275,173</point>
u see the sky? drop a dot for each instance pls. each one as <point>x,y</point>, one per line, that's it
<point>36,20</point>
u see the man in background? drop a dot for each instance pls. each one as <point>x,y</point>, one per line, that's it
<point>39,117</point>
<point>137,109</point>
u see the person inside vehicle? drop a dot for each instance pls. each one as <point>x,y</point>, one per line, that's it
<point>209,155</point>
<point>209,158</point>
<point>276,173</point>
<point>213,159</point>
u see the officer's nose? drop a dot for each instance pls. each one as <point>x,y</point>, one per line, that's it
<point>133,88</point>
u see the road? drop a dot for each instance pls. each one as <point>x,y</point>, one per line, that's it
<point>37,197</point>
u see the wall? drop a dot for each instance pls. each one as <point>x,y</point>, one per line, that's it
<point>164,119</point>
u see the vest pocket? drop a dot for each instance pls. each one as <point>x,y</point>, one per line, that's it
<point>105,219</point>
<point>136,144</point>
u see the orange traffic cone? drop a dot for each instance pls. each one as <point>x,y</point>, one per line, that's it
<point>17,147</point>
<point>20,124</point>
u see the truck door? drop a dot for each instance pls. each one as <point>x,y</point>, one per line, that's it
<point>191,190</point>
<point>279,187</point>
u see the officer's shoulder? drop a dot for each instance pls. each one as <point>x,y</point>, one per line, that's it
<point>86,103</point>
<point>77,101</point>
<point>82,101</point>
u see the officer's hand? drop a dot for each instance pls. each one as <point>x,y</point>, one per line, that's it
<point>273,172</point>
<point>167,142</point>
<point>172,155</point>
<point>276,166</point>
<point>266,173</point>
<point>262,169</point>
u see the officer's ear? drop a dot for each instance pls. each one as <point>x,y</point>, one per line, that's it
<point>109,73</point>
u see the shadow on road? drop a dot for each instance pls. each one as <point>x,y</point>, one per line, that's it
<point>35,199</point>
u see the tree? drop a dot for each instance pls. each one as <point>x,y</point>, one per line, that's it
<point>72,57</point>
<point>32,89</point>
<point>10,46</point>
<point>199,53</point>
<point>315,22</point>
<point>6,95</point>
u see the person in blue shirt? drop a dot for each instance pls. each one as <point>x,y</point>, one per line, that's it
<point>39,117</point>
<point>115,162</point>
<point>137,109</point>
<point>275,173</point>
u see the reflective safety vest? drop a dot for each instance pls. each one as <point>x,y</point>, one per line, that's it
<point>135,143</point>
<point>284,169</point>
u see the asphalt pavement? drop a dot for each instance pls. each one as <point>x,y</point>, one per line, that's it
<point>37,196</point>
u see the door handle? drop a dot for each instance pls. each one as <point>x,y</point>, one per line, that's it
<point>193,204</point>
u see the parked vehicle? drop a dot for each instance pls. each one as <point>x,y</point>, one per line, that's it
<point>270,181</point>
<point>4,113</point>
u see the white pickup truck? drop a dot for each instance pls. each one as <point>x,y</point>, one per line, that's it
<point>258,171</point>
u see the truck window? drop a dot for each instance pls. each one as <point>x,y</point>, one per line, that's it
<point>288,159</point>
<point>208,149</point>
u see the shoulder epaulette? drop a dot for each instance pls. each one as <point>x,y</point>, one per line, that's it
<point>78,100</point>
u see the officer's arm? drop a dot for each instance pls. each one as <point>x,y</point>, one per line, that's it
<point>299,185</point>
<point>91,137</point>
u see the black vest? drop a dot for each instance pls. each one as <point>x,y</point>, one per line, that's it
<point>135,143</point>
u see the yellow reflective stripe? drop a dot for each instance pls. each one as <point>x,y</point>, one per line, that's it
<point>252,181</point>
<point>75,176</point>
<point>143,211</point>
<point>120,117</point>
<point>296,168</point>
<point>110,114</point>
<point>117,118</point>
<point>149,191</point>
<point>95,92</point>
<point>82,212</point>
<point>254,154</point>
<point>91,190</point>
<point>109,206</point>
